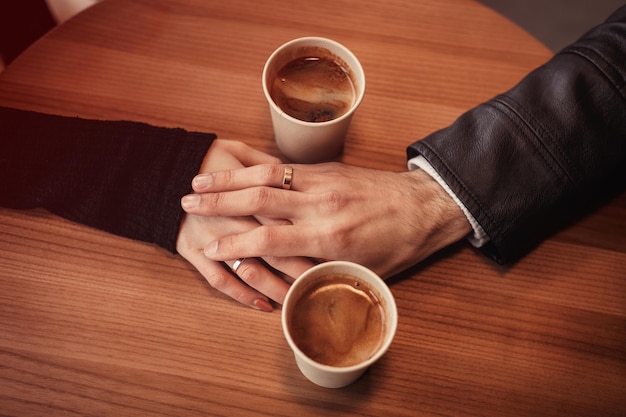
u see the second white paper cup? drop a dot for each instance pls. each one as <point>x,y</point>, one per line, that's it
<point>334,376</point>
<point>310,142</point>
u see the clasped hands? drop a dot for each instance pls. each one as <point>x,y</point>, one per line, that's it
<point>386,221</point>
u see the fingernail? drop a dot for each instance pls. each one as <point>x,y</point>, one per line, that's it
<point>200,182</point>
<point>211,248</point>
<point>263,305</point>
<point>190,201</point>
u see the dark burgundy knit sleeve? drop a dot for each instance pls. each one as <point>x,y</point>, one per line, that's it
<point>122,177</point>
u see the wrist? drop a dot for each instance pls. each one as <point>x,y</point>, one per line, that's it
<point>479,237</point>
<point>447,223</point>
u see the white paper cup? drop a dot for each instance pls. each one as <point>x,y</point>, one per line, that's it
<point>310,142</point>
<point>339,376</point>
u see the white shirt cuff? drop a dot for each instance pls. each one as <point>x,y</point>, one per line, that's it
<point>479,237</point>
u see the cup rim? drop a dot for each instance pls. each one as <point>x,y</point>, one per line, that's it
<point>393,324</point>
<point>359,68</point>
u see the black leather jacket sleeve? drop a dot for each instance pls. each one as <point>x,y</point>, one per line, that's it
<point>525,158</point>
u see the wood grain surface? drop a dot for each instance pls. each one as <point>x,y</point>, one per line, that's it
<point>96,325</point>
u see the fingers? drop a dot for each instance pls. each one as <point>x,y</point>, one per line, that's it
<point>222,280</point>
<point>270,175</point>
<point>255,285</point>
<point>293,267</point>
<point>277,241</point>
<point>256,275</point>
<point>258,201</point>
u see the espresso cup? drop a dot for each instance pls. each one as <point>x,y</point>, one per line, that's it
<point>339,318</point>
<point>313,86</point>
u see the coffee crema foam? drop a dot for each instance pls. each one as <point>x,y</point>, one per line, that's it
<point>338,321</point>
<point>313,89</point>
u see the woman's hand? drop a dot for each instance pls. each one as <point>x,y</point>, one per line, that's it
<point>384,220</point>
<point>256,284</point>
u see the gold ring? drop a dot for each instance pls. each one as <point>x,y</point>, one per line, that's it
<point>238,263</point>
<point>287,175</point>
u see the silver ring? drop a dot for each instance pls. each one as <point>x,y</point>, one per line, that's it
<point>287,176</point>
<point>238,263</point>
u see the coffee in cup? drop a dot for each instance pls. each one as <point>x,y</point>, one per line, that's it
<point>313,87</point>
<point>338,318</point>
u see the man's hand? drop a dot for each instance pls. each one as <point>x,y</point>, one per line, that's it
<point>384,220</point>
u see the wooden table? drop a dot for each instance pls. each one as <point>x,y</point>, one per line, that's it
<point>93,324</point>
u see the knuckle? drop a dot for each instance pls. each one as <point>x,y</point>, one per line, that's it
<point>273,171</point>
<point>225,178</point>
<point>228,246</point>
<point>332,201</point>
<point>339,239</point>
<point>218,280</point>
<point>265,237</point>
<point>242,296</point>
<point>276,261</point>
<point>218,204</point>
<point>212,202</point>
<point>342,242</point>
<point>276,161</point>
<point>261,196</point>
<point>249,274</point>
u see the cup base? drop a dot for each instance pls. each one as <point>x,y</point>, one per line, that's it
<point>329,381</point>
